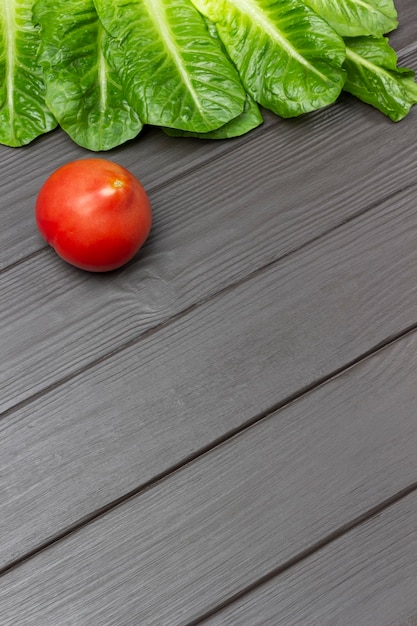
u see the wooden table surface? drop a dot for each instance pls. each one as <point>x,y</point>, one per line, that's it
<point>225,430</point>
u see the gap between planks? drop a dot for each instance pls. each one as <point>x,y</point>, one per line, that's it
<point>42,569</point>
<point>306,554</point>
<point>170,471</point>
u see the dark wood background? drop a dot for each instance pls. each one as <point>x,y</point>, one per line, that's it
<point>225,430</point>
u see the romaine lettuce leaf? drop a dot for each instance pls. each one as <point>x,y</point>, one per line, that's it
<point>23,112</point>
<point>288,57</point>
<point>373,76</point>
<point>173,71</point>
<point>243,123</point>
<point>103,68</point>
<point>82,91</point>
<point>351,18</point>
<point>246,121</point>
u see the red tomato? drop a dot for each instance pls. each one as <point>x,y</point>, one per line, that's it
<point>94,213</point>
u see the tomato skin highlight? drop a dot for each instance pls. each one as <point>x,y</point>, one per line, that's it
<point>94,213</point>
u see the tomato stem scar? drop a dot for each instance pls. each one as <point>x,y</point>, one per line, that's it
<point>117,183</point>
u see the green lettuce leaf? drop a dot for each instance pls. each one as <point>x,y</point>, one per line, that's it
<point>82,91</point>
<point>173,71</point>
<point>373,76</point>
<point>351,18</point>
<point>23,111</point>
<point>289,58</point>
<point>250,118</point>
<point>246,121</point>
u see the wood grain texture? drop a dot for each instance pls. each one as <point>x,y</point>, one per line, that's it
<point>238,512</point>
<point>405,35</point>
<point>289,185</point>
<point>368,577</point>
<point>114,427</point>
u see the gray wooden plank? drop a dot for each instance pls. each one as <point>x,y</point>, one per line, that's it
<point>115,426</point>
<point>289,185</point>
<point>236,513</point>
<point>368,577</point>
<point>405,35</point>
